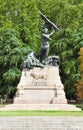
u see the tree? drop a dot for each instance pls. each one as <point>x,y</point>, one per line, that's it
<point>23,16</point>
<point>12,54</point>
<point>66,43</point>
<point>67,46</point>
<point>80,82</point>
<point>19,34</point>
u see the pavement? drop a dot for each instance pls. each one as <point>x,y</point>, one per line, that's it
<point>41,123</point>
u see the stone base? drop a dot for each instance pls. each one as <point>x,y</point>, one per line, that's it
<point>61,107</point>
<point>40,96</point>
<point>40,89</point>
<point>40,86</point>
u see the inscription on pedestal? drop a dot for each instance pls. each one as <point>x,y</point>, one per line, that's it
<point>40,84</point>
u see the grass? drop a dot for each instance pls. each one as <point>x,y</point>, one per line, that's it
<point>41,113</point>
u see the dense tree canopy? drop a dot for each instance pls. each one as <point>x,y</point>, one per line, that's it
<point>20,32</point>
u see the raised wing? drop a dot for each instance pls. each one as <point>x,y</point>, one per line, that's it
<point>48,23</point>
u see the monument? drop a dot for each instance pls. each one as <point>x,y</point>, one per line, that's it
<point>40,86</point>
<point>40,81</point>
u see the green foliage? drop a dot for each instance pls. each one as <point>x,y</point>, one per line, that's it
<point>63,13</point>
<point>67,45</point>
<point>12,53</point>
<point>19,34</point>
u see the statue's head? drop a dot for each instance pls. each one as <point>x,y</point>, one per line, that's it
<point>45,30</point>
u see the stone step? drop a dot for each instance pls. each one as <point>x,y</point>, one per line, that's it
<point>41,123</point>
<point>66,107</point>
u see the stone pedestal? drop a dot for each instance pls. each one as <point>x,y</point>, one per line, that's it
<point>40,89</point>
<point>40,86</point>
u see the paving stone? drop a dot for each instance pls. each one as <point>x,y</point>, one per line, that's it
<point>41,123</point>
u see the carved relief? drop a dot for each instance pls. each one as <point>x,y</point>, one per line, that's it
<point>39,75</point>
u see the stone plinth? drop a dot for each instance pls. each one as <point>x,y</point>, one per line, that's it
<point>40,86</point>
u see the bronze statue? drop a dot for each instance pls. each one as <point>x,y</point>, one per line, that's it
<point>44,50</point>
<point>31,59</point>
<point>48,25</point>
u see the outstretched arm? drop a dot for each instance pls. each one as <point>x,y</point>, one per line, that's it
<point>51,33</point>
